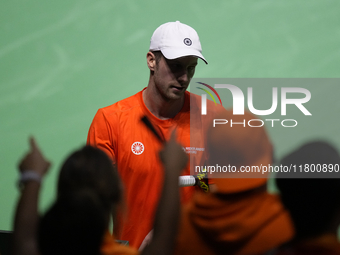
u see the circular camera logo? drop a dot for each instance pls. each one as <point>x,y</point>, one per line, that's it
<point>187,41</point>
<point>137,148</point>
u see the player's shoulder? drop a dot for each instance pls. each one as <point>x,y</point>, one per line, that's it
<point>127,104</point>
<point>196,98</point>
<point>192,96</point>
<point>196,103</point>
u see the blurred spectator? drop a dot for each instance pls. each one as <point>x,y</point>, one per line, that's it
<point>89,191</point>
<point>238,216</point>
<point>313,201</point>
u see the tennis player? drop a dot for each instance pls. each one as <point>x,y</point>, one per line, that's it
<point>116,129</point>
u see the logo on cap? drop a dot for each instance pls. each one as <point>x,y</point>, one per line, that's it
<point>137,148</point>
<point>187,41</point>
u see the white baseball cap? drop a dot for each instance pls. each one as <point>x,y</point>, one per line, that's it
<point>175,40</point>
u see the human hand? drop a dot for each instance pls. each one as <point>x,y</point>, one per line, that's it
<point>34,160</point>
<point>173,156</point>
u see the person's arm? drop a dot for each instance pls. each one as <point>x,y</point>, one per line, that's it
<point>167,215</point>
<point>32,167</point>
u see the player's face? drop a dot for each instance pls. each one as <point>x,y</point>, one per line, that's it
<point>172,76</point>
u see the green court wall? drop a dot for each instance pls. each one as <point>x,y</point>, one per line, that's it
<point>62,60</point>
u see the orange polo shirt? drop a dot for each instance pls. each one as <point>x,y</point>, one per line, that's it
<point>118,130</point>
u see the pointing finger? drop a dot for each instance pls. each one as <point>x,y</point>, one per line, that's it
<point>33,144</point>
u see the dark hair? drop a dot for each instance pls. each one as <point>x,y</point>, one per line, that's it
<point>158,55</point>
<point>73,225</point>
<point>90,168</point>
<point>312,202</point>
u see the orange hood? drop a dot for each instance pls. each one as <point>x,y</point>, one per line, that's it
<point>248,225</point>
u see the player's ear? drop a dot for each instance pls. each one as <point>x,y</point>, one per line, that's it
<point>151,60</point>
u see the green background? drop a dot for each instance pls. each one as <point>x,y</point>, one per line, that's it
<point>62,60</point>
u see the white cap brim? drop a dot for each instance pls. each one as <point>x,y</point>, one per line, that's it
<point>171,53</point>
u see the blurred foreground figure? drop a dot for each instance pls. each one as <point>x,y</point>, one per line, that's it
<point>89,192</point>
<point>238,216</point>
<point>314,203</point>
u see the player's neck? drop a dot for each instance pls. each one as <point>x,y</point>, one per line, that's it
<point>161,108</point>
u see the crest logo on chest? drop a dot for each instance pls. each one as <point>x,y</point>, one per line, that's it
<point>137,148</point>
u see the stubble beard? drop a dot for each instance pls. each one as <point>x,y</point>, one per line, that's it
<point>166,91</point>
<point>169,95</point>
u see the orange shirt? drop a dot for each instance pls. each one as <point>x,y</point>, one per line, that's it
<point>118,130</point>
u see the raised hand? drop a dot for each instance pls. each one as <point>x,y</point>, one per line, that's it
<point>34,160</point>
<point>173,156</point>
